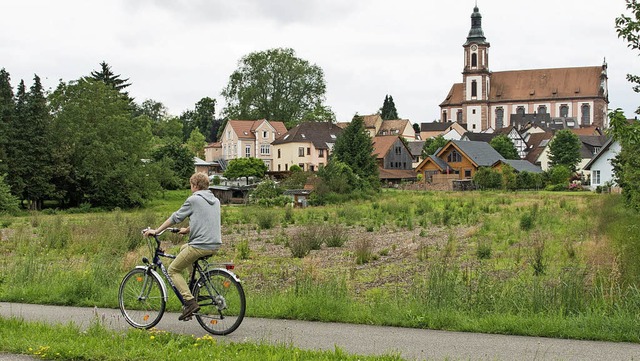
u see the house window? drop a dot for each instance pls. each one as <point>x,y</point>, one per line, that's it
<point>286,167</point>
<point>474,60</point>
<point>474,88</point>
<point>320,153</point>
<point>467,173</point>
<point>595,177</point>
<point>585,119</point>
<point>278,167</point>
<point>596,150</point>
<point>300,151</point>
<point>308,151</point>
<point>247,151</point>
<point>454,157</point>
<point>265,149</point>
<point>398,150</point>
<point>301,165</point>
<point>265,134</point>
<point>459,116</point>
<point>279,155</point>
<point>542,109</point>
<point>520,110</point>
<point>499,117</point>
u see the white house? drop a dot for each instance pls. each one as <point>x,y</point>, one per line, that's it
<point>601,167</point>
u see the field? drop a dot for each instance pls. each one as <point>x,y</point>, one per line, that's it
<point>529,263</point>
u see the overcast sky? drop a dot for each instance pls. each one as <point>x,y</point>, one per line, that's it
<point>179,51</point>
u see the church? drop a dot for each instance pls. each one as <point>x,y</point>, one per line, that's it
<point>487,100</point>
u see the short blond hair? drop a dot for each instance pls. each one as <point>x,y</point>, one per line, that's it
<point>200,181</point>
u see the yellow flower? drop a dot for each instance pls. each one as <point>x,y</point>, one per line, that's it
<point>152,337</point>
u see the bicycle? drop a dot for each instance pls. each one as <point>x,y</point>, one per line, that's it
<point>143,294</point>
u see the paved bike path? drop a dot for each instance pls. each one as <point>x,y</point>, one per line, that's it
<point>412,344</point>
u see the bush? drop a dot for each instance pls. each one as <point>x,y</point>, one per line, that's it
<point>336,236</point>
<point>243,250</point>
<point>487,178</point>
<point>8,203</point>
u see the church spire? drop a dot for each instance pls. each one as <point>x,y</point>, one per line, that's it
<point>476,35</point>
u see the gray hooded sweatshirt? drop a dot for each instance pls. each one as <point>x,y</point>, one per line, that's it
<point>203,210</point>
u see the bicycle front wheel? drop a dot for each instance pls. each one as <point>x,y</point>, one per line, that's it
<point>142,298</point>
<point>222,302</point>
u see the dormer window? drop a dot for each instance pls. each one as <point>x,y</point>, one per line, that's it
<point>265,134</point>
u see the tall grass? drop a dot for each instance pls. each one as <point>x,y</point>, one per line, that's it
<point>571,270</point>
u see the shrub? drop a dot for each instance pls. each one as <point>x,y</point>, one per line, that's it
<point>363,251</point>
<point>483,251</point>
<point>242,250</point>
<point>335,236</point>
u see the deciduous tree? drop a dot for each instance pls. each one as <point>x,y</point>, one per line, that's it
<point>245,167</point>
<point>99,147</point>
<point>274,85</point>
<point>432,144</point>
<point>564,149</point>
<point>503,145</point>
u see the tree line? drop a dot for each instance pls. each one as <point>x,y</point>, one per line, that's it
<point>89,143</point>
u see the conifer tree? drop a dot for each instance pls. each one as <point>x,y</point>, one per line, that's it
<point>354,148</point>
<point>388,110</point>
<point>7,108</point>
<point>106,75</point>
<point>30,149</point>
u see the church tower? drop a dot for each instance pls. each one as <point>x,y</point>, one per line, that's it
<point>476,76</point>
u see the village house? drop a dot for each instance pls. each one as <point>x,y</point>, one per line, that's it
<point>307,145</point>
<point>250,138</point>
<point>395,162</point>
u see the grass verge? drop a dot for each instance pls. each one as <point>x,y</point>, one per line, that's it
<point>68,342</point>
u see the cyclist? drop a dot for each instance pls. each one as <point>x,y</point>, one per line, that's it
<point>203,210</point>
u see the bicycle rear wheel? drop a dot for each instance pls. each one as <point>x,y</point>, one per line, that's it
<point>142,298</point>
<point>222,302</point>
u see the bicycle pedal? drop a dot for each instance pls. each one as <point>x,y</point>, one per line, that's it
<point>187,318</point>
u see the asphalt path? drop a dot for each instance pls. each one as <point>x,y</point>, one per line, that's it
<point>412,344</point>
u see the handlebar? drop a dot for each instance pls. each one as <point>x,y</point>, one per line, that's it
<point>171,229</point>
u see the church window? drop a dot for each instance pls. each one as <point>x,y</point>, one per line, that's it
<point>474,88</point>
<point>444,115</point>
<point>499,117</point>
<point>564,111</point>
<point>520,110</point>
<point>586,114</point>
<point>474,60</point>
<point>459,116</point>
<point>542,109</point>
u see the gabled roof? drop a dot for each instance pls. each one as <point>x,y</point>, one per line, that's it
<point>589,143</point>
<point>416,147</point>
<point>214,145</point>
<point>440,163</point>
<point>479,137</point>
<point>318,133</point>
<point>455,96</point>
<point>536,145</point>
<point>398,125</point>
<point>521,165</point>
<point>435,126</point>
<point>246,128</point>
<point>604,149</point>
<point>480,153</point>
<point>383,143</point>
<point>541,84</point>
<point>537,85</point>
<point>371,120</point>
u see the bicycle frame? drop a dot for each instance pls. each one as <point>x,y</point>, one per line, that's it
<point>197,269</point>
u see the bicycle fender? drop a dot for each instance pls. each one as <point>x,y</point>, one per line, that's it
<point>157,276</point>
<point>224,270</point>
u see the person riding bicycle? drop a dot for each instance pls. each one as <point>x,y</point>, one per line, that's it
<point>203,210</point>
